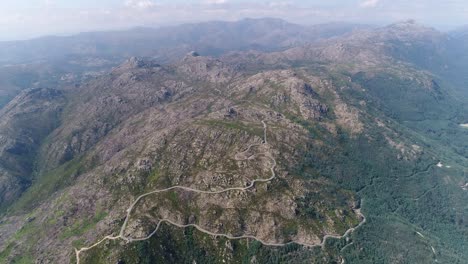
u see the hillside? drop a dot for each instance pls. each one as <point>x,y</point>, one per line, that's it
<point>348,150</point>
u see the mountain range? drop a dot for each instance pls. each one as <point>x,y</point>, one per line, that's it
<point>257,141</point>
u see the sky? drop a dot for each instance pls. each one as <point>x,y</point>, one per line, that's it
<point>23,19</point>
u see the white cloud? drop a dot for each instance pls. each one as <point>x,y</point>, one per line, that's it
<point>48,3</point>
<point>369,3</point>
<point>142,4</point>
<point>280,4</point>
<point>215,2</point>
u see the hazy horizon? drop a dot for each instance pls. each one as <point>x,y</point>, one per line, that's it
<point>26,19</point>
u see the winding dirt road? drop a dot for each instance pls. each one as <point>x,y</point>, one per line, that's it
<point>201,229</point>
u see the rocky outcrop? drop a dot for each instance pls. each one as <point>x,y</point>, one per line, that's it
<point>206,69</point>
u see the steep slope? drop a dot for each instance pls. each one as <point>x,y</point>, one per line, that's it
<point>25,122</point>
<point>458,61</point>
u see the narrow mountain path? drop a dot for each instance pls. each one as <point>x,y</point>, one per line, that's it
<point>201,229</point>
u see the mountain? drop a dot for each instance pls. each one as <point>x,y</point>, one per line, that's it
<point>345,150</point>
<point>61,61</point>
<point>172,43</point>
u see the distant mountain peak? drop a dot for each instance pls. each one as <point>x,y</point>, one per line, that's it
<point>410,22</point>
<point>409,25</point>
<point>136,62</point>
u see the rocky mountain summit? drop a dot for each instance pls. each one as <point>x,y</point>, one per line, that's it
<point>318,153</point>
